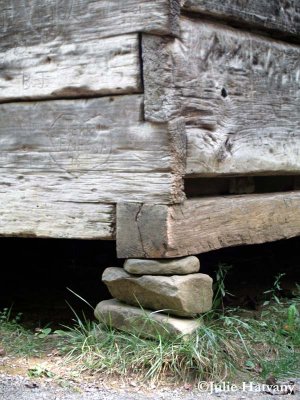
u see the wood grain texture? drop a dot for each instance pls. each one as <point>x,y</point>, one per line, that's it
<point>96,150</point>
<point>281,16</point>
<point>24,216</point>
<point>239,95</point>
<point>73,48</point>
<point>206,224</point>
<point>80,68</point>
<point>84,152</point>
<point>31,22</point>
<point>141,230</point>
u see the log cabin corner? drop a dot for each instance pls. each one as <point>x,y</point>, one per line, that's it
<point>171,127</point>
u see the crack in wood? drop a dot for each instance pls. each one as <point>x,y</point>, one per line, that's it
<point>137,217</point>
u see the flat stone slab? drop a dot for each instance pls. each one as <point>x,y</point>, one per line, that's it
<point>179,266</point>
<point>143,322</point>
<point>183,295</point>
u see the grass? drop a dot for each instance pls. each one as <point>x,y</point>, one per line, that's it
<point>19,341</point>
<point>227,346</point>
<point>101,349</point>
<point>231,344</point>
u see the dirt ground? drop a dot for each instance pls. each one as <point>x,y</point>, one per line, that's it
<point>65,384</point>
<point>21,388</point>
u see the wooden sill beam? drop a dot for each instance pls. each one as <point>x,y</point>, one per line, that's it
<point>206,224</point>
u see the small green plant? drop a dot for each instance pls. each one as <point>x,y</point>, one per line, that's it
<point>43,332</point>
<point>291,326</point>
<point>293,320</point>
<point>6,316</point>
<point>39,372</point>
<point>219,287</point>
<point>19,341</point>
<point>273,293</point>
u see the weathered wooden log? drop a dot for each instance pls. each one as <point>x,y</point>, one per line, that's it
<point>88,151</point>
<point>239,94</point>
<point>31,22</point>
<point>202,225</point>
<point>62,161</point>
<point>271,15</point>
<point>81,68</point>
<point>55,49</point>
<point>29,215</point>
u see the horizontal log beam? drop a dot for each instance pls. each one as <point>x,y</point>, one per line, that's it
<point>97,67</point>
<point>62,49</point>
<point>31,22</point>
<point>267,15</point>
<point>205,224</point>
<point>96,150</point>
<point>45,218</point>
<point>60,161</point>
<point>239,94</point>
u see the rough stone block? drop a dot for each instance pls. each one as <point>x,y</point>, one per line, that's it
<point>176,266</point>
<point>143,322</point>
<point>185,295</point>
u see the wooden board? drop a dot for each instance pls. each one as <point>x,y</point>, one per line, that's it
<point>30,22</point>
<point>34,217</point>
<point>271,15</point>
<point>68,157</point>
<point>56,48</point>
<point>80,68</point>
<point>239,94</point>
<point>96,150</point>
<point>206,224</point>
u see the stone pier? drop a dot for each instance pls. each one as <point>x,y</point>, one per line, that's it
<point>156,296</point>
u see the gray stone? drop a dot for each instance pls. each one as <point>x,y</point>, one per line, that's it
<point>176,266</point>
<point>185,295</point>
<point>143,322</point>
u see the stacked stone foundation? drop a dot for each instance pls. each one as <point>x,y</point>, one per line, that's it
<point>154,297</point>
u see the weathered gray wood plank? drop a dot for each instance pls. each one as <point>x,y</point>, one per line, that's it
<point>206,224</point>
<point>31,22</point>
<point>71,48</point>
<point>81,68</point>
<point>25,216</point>
<point>90,151</point>
<point>239,94</point>
<point>275,15</point>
